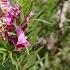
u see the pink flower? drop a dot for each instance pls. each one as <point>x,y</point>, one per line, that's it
<point>16,10</point>
<point>22,39</point>
<point>11,13</point>
<point>5,5</point>
<point>8,19</point>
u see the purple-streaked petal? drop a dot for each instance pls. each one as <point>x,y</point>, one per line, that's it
<point>22,39</point>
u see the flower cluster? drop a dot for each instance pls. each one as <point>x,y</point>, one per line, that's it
<point>10,13</point>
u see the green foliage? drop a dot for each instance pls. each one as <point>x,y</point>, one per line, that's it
<point>42,24</point>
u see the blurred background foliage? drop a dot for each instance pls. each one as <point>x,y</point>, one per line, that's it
<point>49,49</point>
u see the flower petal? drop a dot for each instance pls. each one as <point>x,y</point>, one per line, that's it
<point>22,39</point>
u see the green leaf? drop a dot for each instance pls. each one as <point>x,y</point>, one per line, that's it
<point>4,56</point>
<point>3,49</point>
<point>13,60</point>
